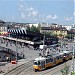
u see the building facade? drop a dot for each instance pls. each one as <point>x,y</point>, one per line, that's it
<point>3,28</point>
<point>54,30</point>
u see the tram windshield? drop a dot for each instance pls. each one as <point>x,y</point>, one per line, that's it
<point>36,62</point>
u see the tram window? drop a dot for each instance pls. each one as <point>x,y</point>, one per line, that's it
<point>65,54</point>
<point>57,57</point>
<point>47,60</point>
<point>35,63</point>
<point>38,62</point>
<point>51,60</point>
<point>60,57</point>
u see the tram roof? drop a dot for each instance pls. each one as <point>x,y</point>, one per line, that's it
<point>56,54</point>
<point>40,58</point>
<point>67,51</point>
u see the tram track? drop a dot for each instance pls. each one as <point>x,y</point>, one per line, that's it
<point>19,69</point>
<point>27,69</point>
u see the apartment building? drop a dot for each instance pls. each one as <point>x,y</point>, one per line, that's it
<point>3,28</point>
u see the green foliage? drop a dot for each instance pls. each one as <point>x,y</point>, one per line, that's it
<point>65,70</point>
<point>70,36</point>
<point>34,28</point>
<point>60,35</point>
<point>73,73</point>
<point>28,27</point>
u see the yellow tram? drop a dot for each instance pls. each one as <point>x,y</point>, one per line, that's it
<point>67,55</point>
<point>43,62</point>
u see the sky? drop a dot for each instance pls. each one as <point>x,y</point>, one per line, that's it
<point>35,11</point>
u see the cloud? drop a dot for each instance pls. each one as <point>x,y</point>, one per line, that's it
<point>32,12</point>
<point>55,17</point>
<point>21,8</point>
<point>22,15</point>
<point>30,9</point>
<point>68,18</point>
<point>51,17</point>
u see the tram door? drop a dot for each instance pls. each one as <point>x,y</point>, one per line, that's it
<point>43,65</point>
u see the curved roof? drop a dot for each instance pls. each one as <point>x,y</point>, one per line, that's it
<point>40,58</point>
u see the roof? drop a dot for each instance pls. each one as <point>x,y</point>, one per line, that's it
<point>54,28</point>
<point>40,58</point>
<point>2,25</point>
<point>67,51</point>
<point>57,54</point>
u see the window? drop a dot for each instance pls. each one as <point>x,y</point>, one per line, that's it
<point>47,60</point>
<point>57,57</point>
<point>51,60</point>
<point>36,62</point>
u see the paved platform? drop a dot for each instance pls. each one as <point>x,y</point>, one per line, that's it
<point>6,67</point>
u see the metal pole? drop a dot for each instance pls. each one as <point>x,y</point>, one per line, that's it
<point>44,45</point>
<point>61,42</point>
<point>73,60</point>
<point>43,40</point>
<point>16,49</point>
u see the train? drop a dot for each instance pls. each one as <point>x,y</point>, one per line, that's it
<point>43,62</point>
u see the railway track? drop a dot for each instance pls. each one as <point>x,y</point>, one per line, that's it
<point>27,69</point>
<point>20,69</point>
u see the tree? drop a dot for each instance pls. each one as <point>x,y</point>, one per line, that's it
<point>28,27</point>
<point>70,36</point>
<point>60,35</point>
<point>34,28</point>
